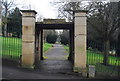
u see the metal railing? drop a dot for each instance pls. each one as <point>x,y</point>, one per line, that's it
<point>95,57</point>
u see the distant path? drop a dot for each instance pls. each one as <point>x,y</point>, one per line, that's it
<point>57,53</point>
<point>57,61</point>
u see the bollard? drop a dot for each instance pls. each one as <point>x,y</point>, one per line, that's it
<point>91,71</point>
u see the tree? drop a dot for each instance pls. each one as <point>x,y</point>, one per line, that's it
<point>64,7</point>
<point>7,6</point>
<point>65,37</point>
<point>102,20</point>
<point>118,40</point>
<point>118,46</point>
<point>51,36</point>
<point>105,26</point>
<point>46,33</point>
<point>15,23</point>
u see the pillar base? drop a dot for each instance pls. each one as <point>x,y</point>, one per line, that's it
<point>28,66</point>
<point>42,58</point>
<point>83,71</point>
<point>69,58</point>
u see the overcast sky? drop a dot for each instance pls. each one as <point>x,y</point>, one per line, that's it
<point>43,7</point>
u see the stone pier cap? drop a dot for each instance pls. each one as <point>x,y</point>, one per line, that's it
<point>28,12</point>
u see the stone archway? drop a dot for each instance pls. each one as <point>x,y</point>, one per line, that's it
<point>28,39</point>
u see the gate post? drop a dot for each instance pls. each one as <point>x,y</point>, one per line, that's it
<point>80,41</point>
<point>28,38</point>
<point>0,19</point>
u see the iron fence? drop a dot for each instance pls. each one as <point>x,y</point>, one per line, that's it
<point>95,57</point>
<point>11,44</point>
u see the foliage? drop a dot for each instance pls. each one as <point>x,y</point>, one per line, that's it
<point>65,9</point>
<point>47,46</point>
<point>66,47</point>
<point>15,23</point>
<point>64,37</point>
<point>51,36</point>
<point>7,6</point>
<point>118,40</point>
<point>105,27</point>
<point>102,20</point>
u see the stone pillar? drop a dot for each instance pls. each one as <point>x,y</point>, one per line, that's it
<point>0,19</point>
<point>42,47</point>
<point>28,38</point>
<point>80,41</point>
<point>0,42</point>
<point>39,46</point>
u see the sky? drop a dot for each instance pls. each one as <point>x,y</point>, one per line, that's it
<point>43,7</point>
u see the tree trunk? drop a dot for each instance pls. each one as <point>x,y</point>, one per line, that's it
<point>118,45</point>
<point>5,30</point>
<point>106,52</point>
<point>5,26</point>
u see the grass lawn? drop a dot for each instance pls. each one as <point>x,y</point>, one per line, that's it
<point>96,59</point>
<point>93,58</point>
<point>66,48</point>
<point>47,46</point>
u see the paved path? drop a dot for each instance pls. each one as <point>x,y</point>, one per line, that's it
<point>56,53</point>
<point>57,61</point>
<point>55,67</point>
<point>50,68</point>
<point>21,73</point>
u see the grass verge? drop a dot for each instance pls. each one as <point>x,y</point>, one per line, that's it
<point>47,46</point>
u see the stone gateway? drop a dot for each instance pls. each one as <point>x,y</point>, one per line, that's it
<point>32,38</point>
